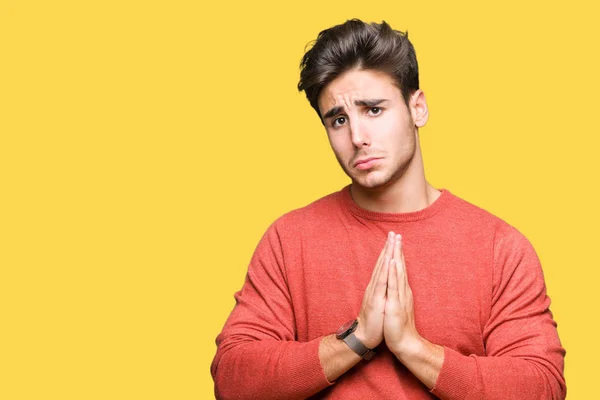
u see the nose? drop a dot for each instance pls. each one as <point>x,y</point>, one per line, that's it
<point>358,131</point>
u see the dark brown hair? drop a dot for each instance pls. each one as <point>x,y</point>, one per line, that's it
<point>358,45</point>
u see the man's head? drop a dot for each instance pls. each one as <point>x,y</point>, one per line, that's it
<point>362,79</point>
<point>358,45</point>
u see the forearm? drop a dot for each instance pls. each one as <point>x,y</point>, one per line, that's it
<point>287,369</point>
<point>424,359</point>
<point>336,357</point>
<point>268,369</point>
<point>498,377</point>
<point>451,375</point>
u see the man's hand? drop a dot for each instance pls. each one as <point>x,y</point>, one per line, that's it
<point>386,311</point>
<point>335,356</point>
<point>371,316</point>
<point>399,327</point>
<point>423,358</point>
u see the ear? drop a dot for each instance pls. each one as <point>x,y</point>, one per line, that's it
<point>418,108</point>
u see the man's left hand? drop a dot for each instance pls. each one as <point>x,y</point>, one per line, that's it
<point>399,330</point>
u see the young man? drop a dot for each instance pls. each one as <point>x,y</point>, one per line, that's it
<point>388,288</point>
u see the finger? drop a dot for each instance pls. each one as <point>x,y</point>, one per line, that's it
<point>390,248</point>
<point>379,264</point>
<point>398,249</point>
<point>392,283</point>
<point>389,252</point>
<point>382,281</point>
<point>386,247</point>
<point>399,263</point>
<point>405,283</point>
<point>402,274</point>
<point>380,258</point>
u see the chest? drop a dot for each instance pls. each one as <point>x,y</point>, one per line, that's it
<point>450,278</point>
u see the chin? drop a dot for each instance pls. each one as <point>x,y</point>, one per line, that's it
<point>371,180</point>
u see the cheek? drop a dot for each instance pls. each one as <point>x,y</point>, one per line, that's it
<point>340,144</point>
<point>385,131</point>
<point>395,129</point>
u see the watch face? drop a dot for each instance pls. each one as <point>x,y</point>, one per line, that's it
<point>346,329</point>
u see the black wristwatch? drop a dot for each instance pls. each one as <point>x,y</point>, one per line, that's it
<point>346,333</point>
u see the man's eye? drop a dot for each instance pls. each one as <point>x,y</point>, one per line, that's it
<point>339,121</point>
<point>375,110</point>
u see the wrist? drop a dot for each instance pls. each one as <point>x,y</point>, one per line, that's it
<point>360,334</point>
<point>347,333</point>
<point>409,348</point>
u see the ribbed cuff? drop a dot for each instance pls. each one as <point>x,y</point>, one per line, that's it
<point>457,376</point>
<point>307,371</point>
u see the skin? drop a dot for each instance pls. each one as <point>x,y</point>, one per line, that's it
<point>394,184</point>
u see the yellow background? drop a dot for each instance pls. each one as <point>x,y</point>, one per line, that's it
<point>145,147</point>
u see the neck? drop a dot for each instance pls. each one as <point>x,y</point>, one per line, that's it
<point>408,192</point>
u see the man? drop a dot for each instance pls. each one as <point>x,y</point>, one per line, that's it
<point>389,288</point>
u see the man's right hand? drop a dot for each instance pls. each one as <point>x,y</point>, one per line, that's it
<point>371,315</point>
<point>335,356</point>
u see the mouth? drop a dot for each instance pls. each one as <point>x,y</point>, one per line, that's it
<point>366,163</point>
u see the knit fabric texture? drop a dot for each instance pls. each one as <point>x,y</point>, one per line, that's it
<point>478,290</point>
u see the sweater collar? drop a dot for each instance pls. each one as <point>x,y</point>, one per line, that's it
<point>429,211</point>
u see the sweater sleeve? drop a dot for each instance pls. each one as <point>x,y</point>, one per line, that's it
<point>524,357</point>
<point>258,356</point>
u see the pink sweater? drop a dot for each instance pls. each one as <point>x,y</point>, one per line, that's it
<point>478,290</point>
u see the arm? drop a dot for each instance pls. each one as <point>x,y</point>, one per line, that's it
<point>257,354</point>
<point>336,357</point>
<point>524,355</point>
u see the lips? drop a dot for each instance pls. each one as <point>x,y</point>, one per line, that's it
<point>367,163</point>
<point>364,160</point>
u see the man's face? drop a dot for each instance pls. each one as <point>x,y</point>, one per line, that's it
<point>365,117</point>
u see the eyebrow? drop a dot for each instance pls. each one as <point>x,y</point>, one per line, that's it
<point>366,103</point>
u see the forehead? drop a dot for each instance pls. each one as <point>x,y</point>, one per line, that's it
<point>357,84</point>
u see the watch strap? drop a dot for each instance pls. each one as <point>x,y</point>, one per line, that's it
<point>358,347</point>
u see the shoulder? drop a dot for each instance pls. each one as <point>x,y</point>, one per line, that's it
<point>512,253</point>
<point>287,233</point>
<point>511,247</point>
<point>314,214</point>
<point>481,218</point>
<point>465,210</point>
<point>504,240</point>
<point>505,235</point>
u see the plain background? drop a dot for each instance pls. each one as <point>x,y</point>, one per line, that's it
<point>145,146</point>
